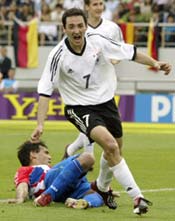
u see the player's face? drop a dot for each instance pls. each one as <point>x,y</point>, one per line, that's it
<point>95,8</point>
<point>43,156</point>
<point>75,30</point>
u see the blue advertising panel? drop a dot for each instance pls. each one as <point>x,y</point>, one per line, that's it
<point>155,108</point>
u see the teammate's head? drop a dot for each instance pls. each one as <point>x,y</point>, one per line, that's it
<point>33,154</point>
<point>94,8</point>
<point>73,12</point>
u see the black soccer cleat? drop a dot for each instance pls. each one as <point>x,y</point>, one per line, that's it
<point>108,197</point>
<point>141,205</point>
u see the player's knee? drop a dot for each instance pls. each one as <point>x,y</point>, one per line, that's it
<point>112,148</point>
<point>86,160</point>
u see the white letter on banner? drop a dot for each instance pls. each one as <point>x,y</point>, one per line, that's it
<point>157,112</point>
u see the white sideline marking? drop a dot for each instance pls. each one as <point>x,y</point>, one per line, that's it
<point>158,190</point>
<point>154,190</point>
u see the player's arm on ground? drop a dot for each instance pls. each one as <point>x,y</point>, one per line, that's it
<point>21,194</point>
<point>147,60</point>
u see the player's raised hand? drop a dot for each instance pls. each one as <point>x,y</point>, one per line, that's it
<point>35,136</point>
<point>166,67</point>
<point>163,66</point>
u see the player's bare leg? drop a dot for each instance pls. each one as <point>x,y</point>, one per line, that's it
<point>116,164</point>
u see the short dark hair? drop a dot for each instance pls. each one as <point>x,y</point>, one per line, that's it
<point>73,12</point>
<point>87,2</point>
<point>59,5</point>
<point>26,148</point>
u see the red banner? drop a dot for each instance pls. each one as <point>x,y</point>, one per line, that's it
<point>26,44</point>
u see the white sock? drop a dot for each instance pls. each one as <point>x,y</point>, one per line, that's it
<point>124,176</point>
<point>88,147</point>
<point>76,145</point>
<point>105,176</point>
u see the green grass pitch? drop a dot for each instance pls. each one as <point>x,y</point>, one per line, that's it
<point>148,149</point>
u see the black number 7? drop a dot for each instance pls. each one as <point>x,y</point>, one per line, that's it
<point>87,80</point>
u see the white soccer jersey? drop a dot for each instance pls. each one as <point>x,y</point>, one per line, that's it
<point>108,29</point>
<point>87,78</point>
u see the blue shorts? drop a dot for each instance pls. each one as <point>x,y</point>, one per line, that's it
<point>81,188</point>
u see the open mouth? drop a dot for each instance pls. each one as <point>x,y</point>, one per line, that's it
<point>77,38</point>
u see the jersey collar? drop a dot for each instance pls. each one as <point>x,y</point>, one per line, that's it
<point>97,25</point>
<point>71,49</point>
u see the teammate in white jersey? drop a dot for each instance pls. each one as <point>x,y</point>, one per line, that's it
<point>96,24</point>
<point>81,68</point>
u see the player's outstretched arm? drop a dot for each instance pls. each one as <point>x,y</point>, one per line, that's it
<point>43,105</point>
<point>147,60</point>
<point>21,195</point>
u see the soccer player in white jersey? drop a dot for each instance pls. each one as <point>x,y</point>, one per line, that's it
<point>82,70</point>
<point>96,24</point>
